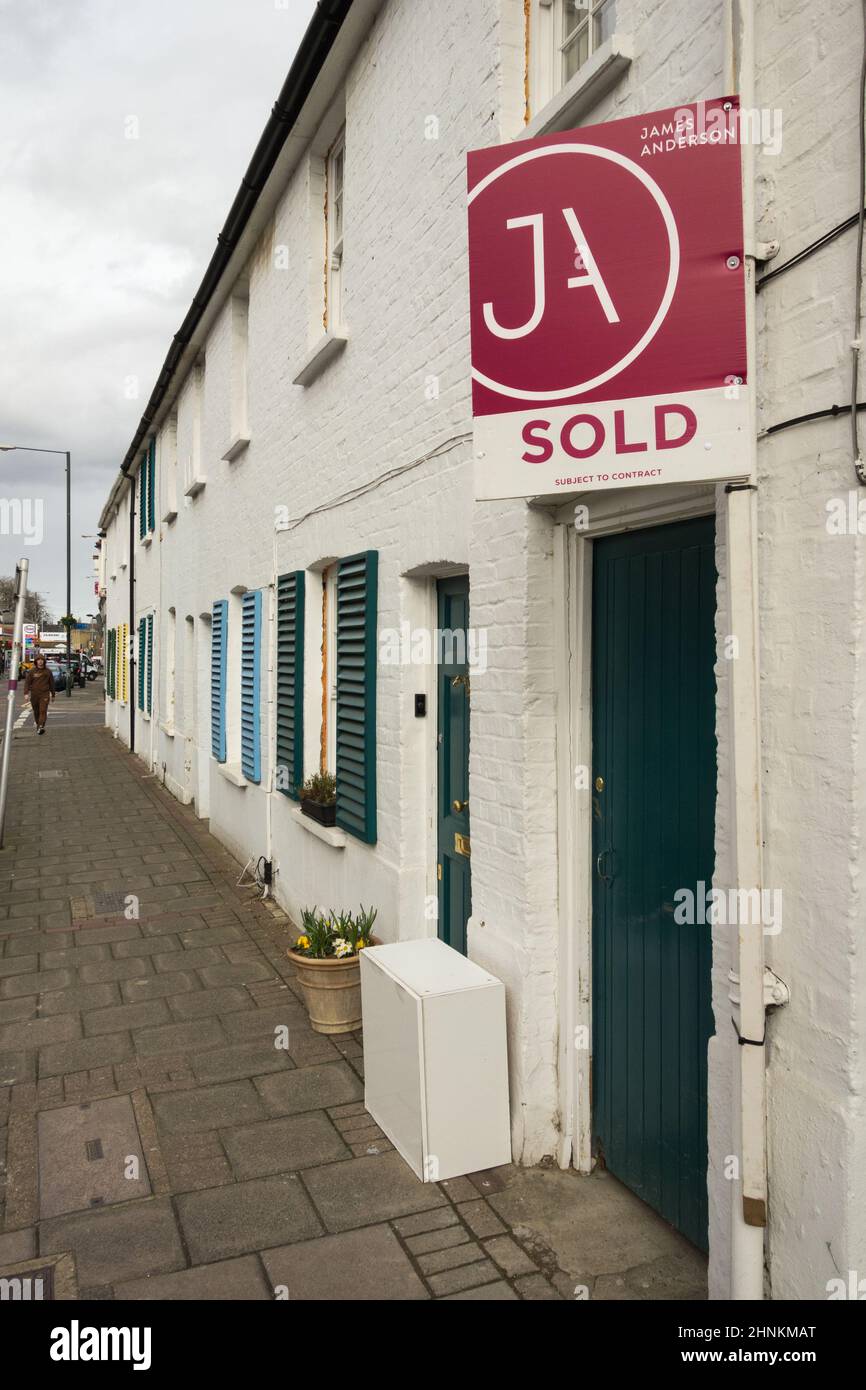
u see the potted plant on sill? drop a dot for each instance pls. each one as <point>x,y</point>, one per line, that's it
<point>319,798</point>
<point>326,957</point>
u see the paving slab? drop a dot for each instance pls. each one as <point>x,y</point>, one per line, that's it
<point>366,1190</point>
<point>309,1088</point>
<point>240,1059</point>
<point>117,1243</point>
<point>235,1281</point>
<point>284,1145</point>
<point>246,1216</point>
<point>208,1107</point>
<point>354,1267</point>
<point>84,1054</point>
<point>178,1037</point>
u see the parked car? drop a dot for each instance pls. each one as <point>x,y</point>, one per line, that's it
<point>58,673</point>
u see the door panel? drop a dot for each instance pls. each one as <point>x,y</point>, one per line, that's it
<point>653,825</point>
<point>453,694</point>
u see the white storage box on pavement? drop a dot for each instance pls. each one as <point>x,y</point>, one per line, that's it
<point>435,1059</point>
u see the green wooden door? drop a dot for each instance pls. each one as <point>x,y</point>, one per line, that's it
<point>654,793</point>
<point>453,691</point>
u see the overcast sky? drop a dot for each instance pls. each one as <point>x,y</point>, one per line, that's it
<point>104,237</point>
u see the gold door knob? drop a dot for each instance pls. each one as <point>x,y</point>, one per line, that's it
<point>459,806</point>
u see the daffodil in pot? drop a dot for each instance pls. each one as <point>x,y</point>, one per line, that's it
<point>326,957</point>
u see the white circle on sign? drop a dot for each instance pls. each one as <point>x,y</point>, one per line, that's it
<point>664,208</point>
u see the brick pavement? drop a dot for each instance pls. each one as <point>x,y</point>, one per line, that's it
<point>262,1174</point>
<point>150,1125</point>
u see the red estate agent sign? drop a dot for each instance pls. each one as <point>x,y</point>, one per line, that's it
<point>608,305</point>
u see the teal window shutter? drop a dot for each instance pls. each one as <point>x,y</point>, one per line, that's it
<point>218,644</point>
<point>251,631</point>
<point>290,683</point>
<point>142,497</point>
<point>110,667</point>
<point>357,578</point>
<point>151,486</point>
<point>142,638</point>
<point>149,662</point>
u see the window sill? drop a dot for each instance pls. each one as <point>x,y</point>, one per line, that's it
<point>238,446</point>
<point>168,730</point>
<point>232,773</point>
<point>169,516</point>
<point>329,346</point>
<point>589,84</point>
<point>147,540</point>
<point>194,487</point>
<point>329,834</point>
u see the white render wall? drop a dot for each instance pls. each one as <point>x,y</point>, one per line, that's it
<point>371,411</point>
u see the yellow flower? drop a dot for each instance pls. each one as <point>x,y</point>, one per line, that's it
<point>303,942</point>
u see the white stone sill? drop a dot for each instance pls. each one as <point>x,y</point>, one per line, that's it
<point>328,834</point>
<point>232,773</point>
<point>169,516</point>
<point>194,487</point>
<point>585,89</point>
<point>167,729</point>
<point>146,540</point>
<point>329,346</point>
<point>238,446</point>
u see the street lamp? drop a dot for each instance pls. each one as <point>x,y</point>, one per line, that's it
<point>63,453</point>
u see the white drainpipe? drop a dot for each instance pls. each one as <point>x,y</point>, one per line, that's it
<point>749,1104</point>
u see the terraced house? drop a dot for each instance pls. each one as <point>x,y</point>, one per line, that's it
<point>553,738</point>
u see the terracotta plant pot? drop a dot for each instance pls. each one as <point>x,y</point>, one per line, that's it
<point>332,990</point>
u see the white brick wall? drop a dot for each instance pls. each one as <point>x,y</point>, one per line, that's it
<point>405,308</point>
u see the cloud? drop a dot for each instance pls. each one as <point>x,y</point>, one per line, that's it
<point>124,133</point>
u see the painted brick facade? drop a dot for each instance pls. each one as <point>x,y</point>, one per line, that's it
<point>376,454</point>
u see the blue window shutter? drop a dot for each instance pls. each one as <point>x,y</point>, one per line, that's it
<point>149,662</point>
<point>357,578</point>
<point>142,498</point>
<point>218,643</point>
<point>142,637</point>
<point>251,629</point>
<point>151,486</point>
<point>290,683</point>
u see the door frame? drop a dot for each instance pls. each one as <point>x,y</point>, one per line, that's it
<point>609,513</point>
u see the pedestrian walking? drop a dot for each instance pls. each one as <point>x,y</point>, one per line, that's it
<point>39,685</point>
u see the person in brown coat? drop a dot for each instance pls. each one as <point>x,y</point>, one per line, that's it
<point>39,685</point>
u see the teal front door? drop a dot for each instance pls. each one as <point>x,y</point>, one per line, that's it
<point>654,794</point>
<point>452,738</point>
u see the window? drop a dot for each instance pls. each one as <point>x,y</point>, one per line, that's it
<point>334,179</point>
<point>239,428</point>
<point>168,466</point>
<point>251,628</point>
<point>290,683</point>
<point>218,649</point>
<point>566,35</point>
<point>170,668</point>
<point>584,26</point>
<point>193,476</point>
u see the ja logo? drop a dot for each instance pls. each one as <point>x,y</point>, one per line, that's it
<point>561,217</point>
